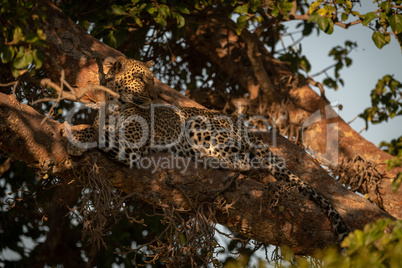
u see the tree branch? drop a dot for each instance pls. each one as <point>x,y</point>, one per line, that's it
<point>242,204</point>
<point>337,146</point>
<point>72,96</point>
<point>254,56</point>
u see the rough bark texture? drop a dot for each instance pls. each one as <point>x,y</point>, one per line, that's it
<point>241,200</point>
<point>304,104</point>
<point>304,230</point>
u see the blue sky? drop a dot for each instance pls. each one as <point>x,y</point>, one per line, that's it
<point>369,65</point>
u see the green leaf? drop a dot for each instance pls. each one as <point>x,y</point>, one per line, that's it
<point>386,6</point>
<point>18,35</point>
<point>356,13</point>
<point>164,11</point>
<point>330,9</point>
<point>275,12</point>
<point>21,52</point>
<point>180,20</point>
<point>7,53</point>
<point>15,72</point>
<point>286,7</point>
<point>350,44</point>
<point>396,23</point>
<point>305,64</point>
<point>31,38</point>
<point>383,19</point>
<point>161,21</point>
<point>142,7</point>
<point>323,23</point>
<point>314,17</point>
<point>241,9</point>
<point>369,17</point>
<point>38,58</point>
<point>118,10</point>
<point>23,61</point>
<point>308,28</point>
<point>151,9</point>
<point>348,61</point>
<point>399,38</point>
<point>84,23</point>
<point>255,5</point>
<point>258,19</point>
<point>313,7</point>
<point>184,10</point>
<point>344,17</point>
<point>241,23</point>
<point>322,11</point>
<point>330,28</point>
<point>111,40</point>
<point>380,39</point>
<point>138,21</point>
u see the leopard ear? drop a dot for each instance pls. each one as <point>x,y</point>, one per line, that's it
<point>118,65</point>
<point>150,63</point>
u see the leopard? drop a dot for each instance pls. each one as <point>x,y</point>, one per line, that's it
<point>133,125</point>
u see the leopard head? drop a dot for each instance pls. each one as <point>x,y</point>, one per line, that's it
<point>133,80</point>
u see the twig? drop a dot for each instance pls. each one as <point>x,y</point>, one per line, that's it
<point>294,9</point>
<point>9,84</point>
<point>58,98</point>
<point>14,84</point>
<point>320,87</point>
<point>63,95</point>
<point>347,25</point>
<point>72,96</point>
<point>351,121</point>
<point>336,10</point>
<point>95,55</point>
<point>363,129</point>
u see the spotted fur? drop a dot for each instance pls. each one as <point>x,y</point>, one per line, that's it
<point>133,128</point>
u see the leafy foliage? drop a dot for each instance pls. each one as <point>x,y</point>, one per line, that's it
<point>394,148</point>
<point>125,17</point>
<point>296,59</point>
<point>377,245</point>
<point>385,101</point>
<point>384,22</point>
<point>19,44</point>
<point>342,59</point>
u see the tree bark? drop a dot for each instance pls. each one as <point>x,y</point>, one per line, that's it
<point>306,108</point>
<point>239,199</point>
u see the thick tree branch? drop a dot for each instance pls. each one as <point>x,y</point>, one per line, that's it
<point>254,56</point>
<point>337,146</point>
<point>241,200</point>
